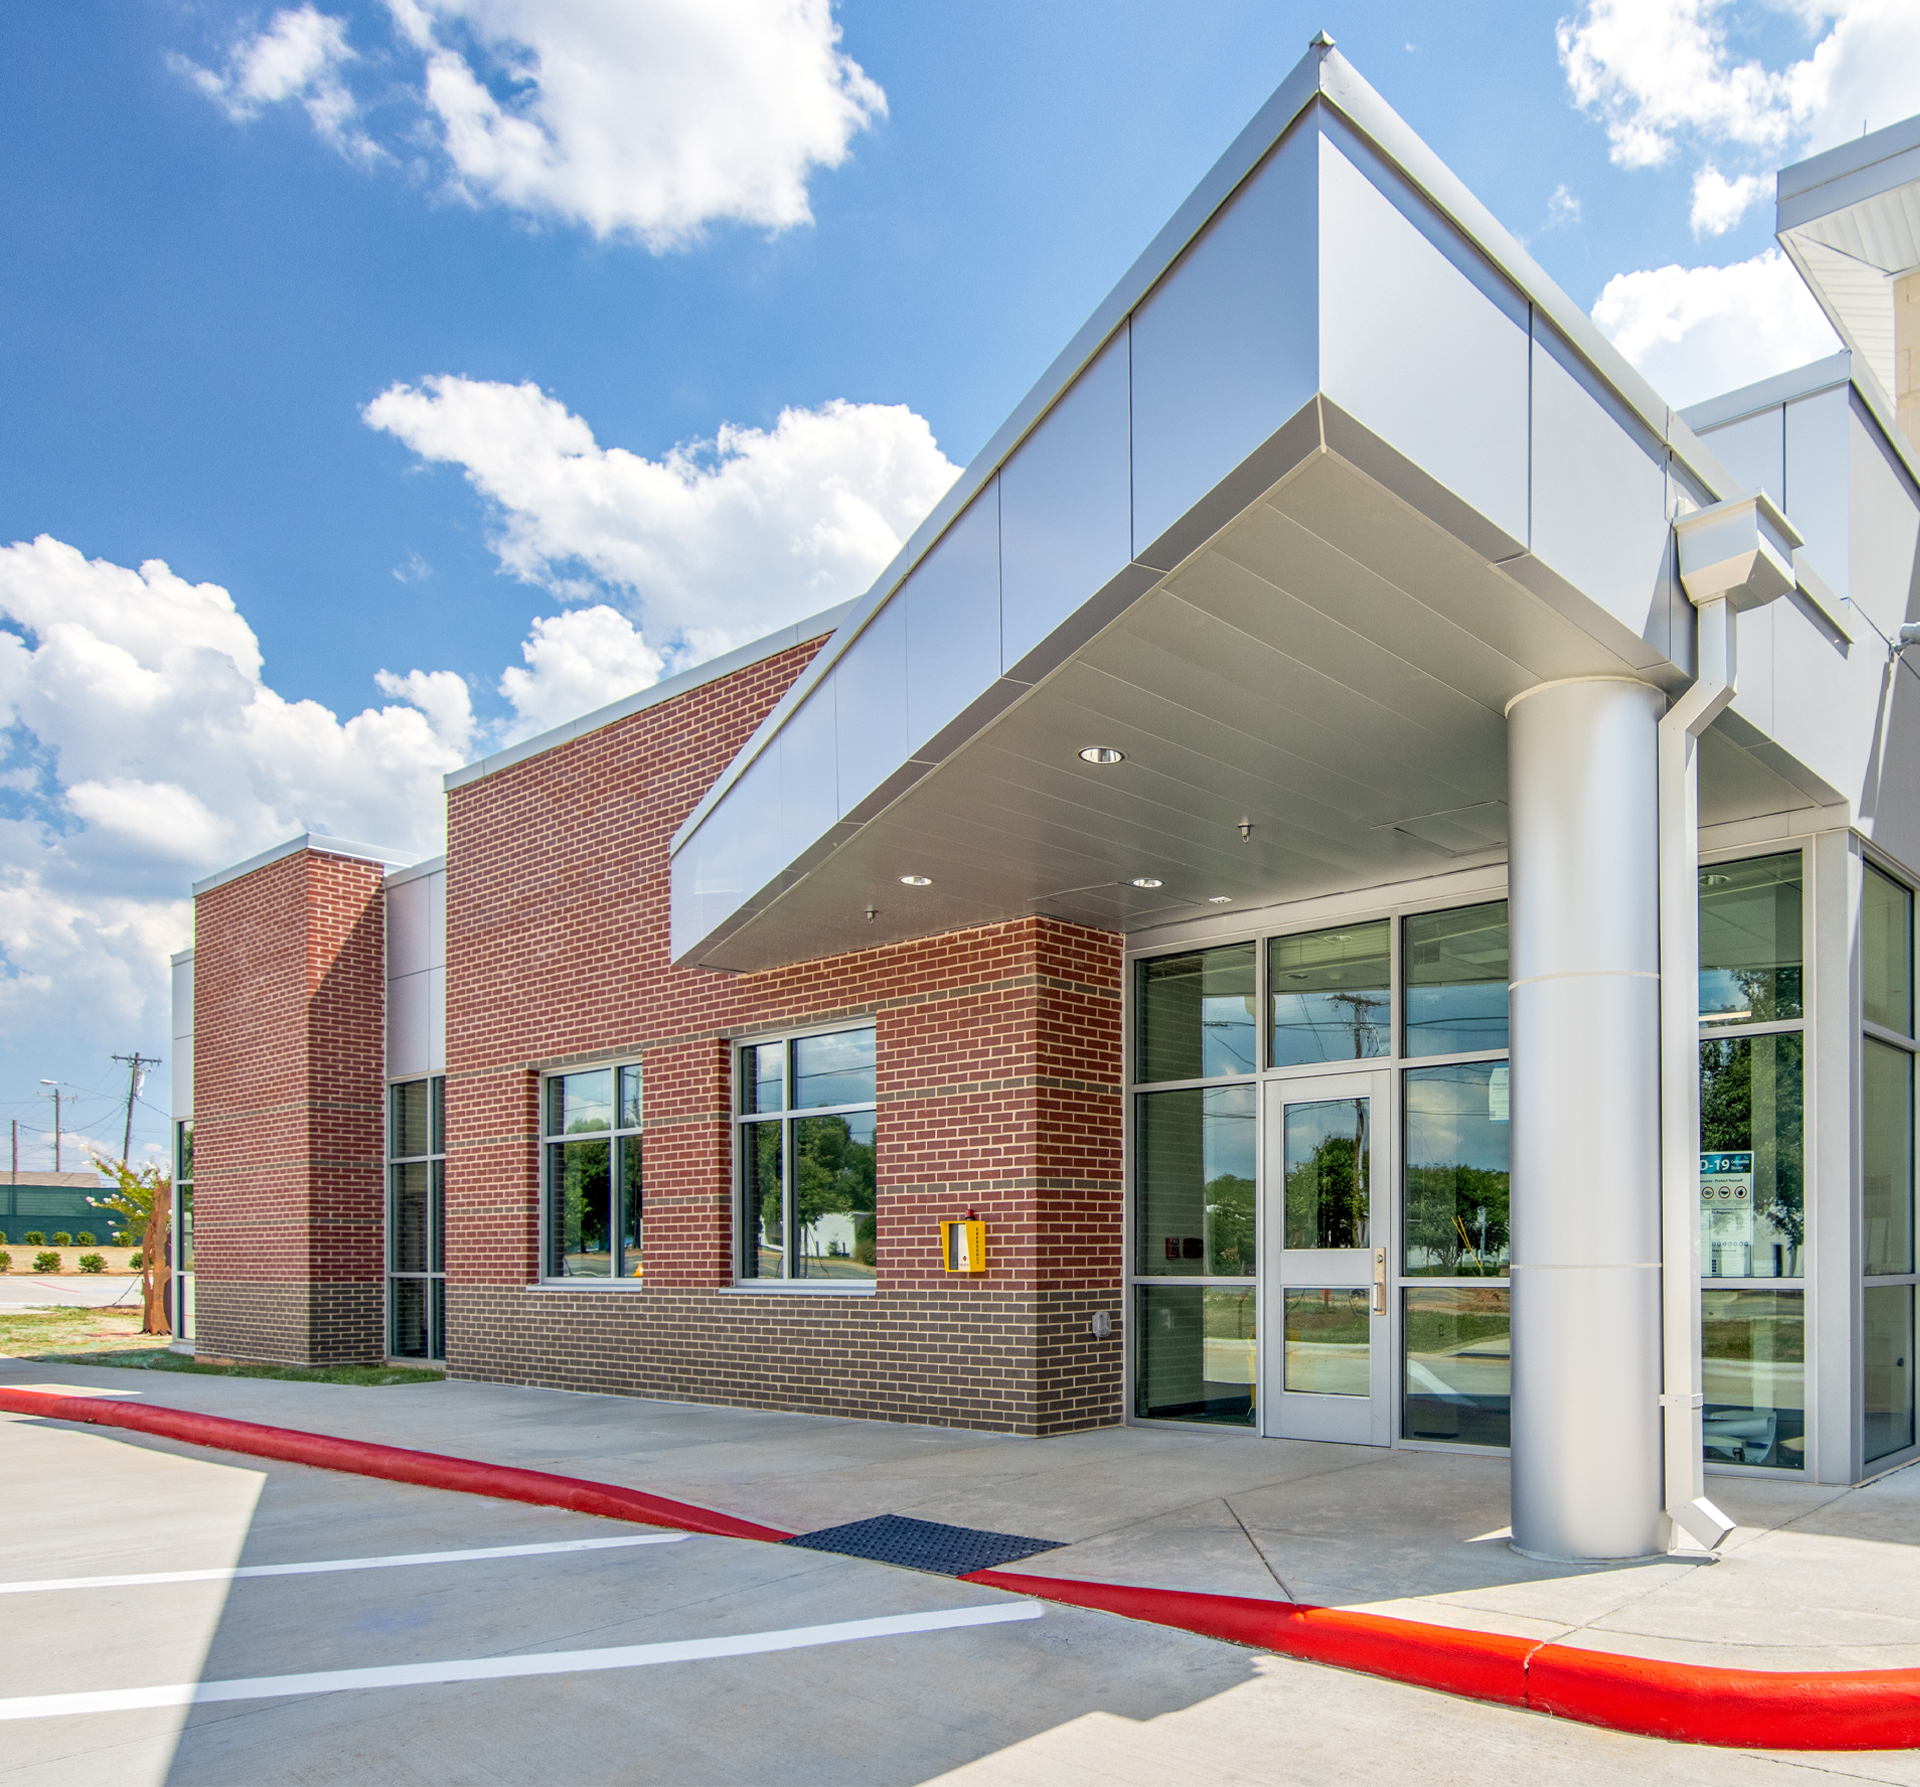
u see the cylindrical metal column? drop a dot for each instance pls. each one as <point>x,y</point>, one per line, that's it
<point>1583,883</point>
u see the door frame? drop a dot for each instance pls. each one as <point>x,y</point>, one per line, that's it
<point>1305,1415</point>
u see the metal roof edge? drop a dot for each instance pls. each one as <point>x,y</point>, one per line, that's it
<point>180,956</point>
<point>307,840</point>
<point>1768,393</point>
<point>682,683</point>
<point>1853,157</point>
<point>432,865</point>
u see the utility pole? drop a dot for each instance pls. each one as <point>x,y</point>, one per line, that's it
<point>16,1151</point>
<point>137,1063</point>
<point>56,1121</point>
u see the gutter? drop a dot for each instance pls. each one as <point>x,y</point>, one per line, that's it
<point>1734,556</point>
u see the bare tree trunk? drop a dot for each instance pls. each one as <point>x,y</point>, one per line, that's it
<point>153,1269</point>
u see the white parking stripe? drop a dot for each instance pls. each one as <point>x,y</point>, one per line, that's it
<point>475,1669</point>
<point>397,1561</point>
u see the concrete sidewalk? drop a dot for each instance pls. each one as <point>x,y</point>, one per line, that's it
<point>1815,1578</point>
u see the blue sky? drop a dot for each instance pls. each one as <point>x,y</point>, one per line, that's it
<point>468,362</point>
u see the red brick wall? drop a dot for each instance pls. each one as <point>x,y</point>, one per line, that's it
<point>999,1070</point>
<point>288,1057</point>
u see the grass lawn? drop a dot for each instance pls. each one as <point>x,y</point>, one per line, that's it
<point>113,1337</point>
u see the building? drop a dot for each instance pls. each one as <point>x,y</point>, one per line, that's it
<point>1369,854</point>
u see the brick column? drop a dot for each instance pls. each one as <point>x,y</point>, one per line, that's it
<point>288,980</point>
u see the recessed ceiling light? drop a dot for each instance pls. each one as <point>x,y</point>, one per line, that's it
<point>916,880</point>
<point>1102,754</point>
<point>1219,899</point>
<point>1145,881</point>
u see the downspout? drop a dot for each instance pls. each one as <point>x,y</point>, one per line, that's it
<point>1734,556</point>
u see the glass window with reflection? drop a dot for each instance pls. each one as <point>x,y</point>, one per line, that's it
<point>805,1150</point>
<point>1752,1170</point>
<point>1886,952</point>
<point>1458,1141</point>
<point>1195,1015</point>
<point>1330,995</point>
<point>1750,941</point>
<point>1455,968</point>
<point>1194,1154</point>
<point>591,1123</point>
<point>1194,1354</point>
<point>1753,1370</point>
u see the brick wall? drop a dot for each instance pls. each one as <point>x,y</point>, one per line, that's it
<point>288,989</point>
<point>998,1087</point>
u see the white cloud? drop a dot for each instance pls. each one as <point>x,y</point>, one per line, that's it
<point>299,56</point>
<point>577,662</point>
<point>641,118</point>
<point>718,542</point>
<point>1562,208</point>
<point>154,752</point>
<point>1698,331</point>
<point>1720,203</point>
<point>1662,73</point>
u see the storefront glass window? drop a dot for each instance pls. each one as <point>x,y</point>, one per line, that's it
<point>1750,941</point>
<point>1194,1353</point>
<point>1753,1372</point>
<point>1329,1334</point>
<point>1457,1141</point>
<point>1752,1175</point>
<point>1459,1364</point>
<point>1456,980</point>
<point>1194,1151</point>
<point>1195,1015</point>
<point>1888,1324</point>
<point>1886,952</point>
<point>1330,995</point>
<point>1886,1105</point>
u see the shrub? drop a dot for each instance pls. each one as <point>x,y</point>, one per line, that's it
<point>3,1237</point>
<point>83,1238</point>
<point>93,1262</point>
<point>6,1260</point>
<point>62,1238</point>
<point>126,1238</point>
<point>136,1261</point>
<point>34,1238</point>
<point>46,1262</point>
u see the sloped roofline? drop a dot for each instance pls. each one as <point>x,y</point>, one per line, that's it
<point>1322,77</point>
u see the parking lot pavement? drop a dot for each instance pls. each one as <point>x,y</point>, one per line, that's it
<point>172,1615</point>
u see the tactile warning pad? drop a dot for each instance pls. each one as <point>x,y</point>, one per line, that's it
<point>923,1544</point>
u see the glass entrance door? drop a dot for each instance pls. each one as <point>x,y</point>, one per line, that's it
<point>1328,1175</point>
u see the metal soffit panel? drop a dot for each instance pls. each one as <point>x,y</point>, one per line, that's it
<point>1274,678</point>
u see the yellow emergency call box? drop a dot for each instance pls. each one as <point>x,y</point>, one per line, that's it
<point>963,1246</point>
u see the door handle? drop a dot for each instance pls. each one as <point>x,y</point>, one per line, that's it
<point>1379,1281</point>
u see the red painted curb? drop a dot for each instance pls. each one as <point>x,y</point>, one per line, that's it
<point>1753,1709</point>
<point>1733,1708</point>
<point>430,1470</point>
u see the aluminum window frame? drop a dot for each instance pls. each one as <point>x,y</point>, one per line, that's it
<point>1319,915</point>
<point>616,1136</point>
<point>1803,1026</point>
<point>433,1278</point>
<point>1873,861</point>
<point>739,1118</point>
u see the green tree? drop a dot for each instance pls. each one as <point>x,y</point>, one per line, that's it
<point>143,1198</point>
